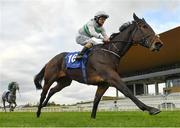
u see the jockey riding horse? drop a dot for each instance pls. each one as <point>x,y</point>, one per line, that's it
<point>10,96</point>
<point>101,67</point>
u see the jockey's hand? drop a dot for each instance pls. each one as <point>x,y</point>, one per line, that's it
<point>106,40</point>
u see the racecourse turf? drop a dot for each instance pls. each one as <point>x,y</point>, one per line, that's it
<point>82,119</point>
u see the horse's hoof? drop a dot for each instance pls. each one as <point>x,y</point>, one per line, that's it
<point>154,111</point>
<point>38,114</point>
<point>93,117</point>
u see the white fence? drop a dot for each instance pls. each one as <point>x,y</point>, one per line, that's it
<point>170,102</point>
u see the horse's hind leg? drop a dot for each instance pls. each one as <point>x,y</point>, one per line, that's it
<point>99,93</point>
<point>61,83</point>
<point>4,105</point>
<point>46,87</point>
<point>10,107</point>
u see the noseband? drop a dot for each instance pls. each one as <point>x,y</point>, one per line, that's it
<point>144,40</point>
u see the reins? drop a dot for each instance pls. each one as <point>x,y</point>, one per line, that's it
<point>120,52</point>
<point>113,44</point>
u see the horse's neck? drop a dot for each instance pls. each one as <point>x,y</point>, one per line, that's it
<point>13,92</point>
<point>123,45</point>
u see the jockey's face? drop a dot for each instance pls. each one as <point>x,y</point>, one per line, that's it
<point>101,20</point>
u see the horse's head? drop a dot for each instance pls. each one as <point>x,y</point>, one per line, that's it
<point>145,35</point>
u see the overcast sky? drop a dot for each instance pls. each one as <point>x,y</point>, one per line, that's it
<point>34,31</point>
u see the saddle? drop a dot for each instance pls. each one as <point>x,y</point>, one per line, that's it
<point>6,95</point>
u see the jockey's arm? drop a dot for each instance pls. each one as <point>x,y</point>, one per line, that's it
<point>105,36</point>
<point>94,33</point>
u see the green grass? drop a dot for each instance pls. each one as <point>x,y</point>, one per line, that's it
<point>82,119</point>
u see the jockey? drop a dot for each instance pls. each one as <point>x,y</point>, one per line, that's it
<point>10,86</point>
<point>94,28</point>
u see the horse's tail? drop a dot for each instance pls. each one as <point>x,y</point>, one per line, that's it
<point>38,78</point>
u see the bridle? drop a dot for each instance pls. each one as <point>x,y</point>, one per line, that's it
<point>143,41</point>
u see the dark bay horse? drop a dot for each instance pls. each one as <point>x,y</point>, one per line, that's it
<point>10,96</point>
<point>102,66</point>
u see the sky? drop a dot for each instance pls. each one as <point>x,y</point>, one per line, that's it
<point>34,31</point>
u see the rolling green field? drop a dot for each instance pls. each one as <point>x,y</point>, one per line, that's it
<point>82,119</point>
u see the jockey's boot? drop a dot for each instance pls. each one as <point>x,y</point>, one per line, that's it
<point>80,55</point>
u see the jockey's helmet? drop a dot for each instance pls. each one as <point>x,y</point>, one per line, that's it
<point>101,14</point>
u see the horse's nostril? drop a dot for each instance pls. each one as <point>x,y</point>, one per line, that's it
<point>158,45</point>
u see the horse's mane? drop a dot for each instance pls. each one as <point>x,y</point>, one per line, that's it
<point>114,35</point>
<point>121,29</point>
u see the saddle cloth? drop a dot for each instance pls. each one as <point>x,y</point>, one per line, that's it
<point>5,95</point>
<point>71,61</point>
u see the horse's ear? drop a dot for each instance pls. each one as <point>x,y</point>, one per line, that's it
<point>135,17</point>
<point>143,19</point>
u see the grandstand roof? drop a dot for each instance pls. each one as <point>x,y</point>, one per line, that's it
<point>140,60</point>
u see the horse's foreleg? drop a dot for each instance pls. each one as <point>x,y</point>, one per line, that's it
<point>115,80</point>
<point>125,90</point>
<point>64,82</point>
<point>10,107</point>
<point>14,105</point>
<point>99,93</point>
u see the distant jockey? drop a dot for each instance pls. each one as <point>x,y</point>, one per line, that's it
<point>94,28</point>
<point>10,86</point>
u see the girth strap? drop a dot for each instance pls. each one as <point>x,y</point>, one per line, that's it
<point>111,52</point>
